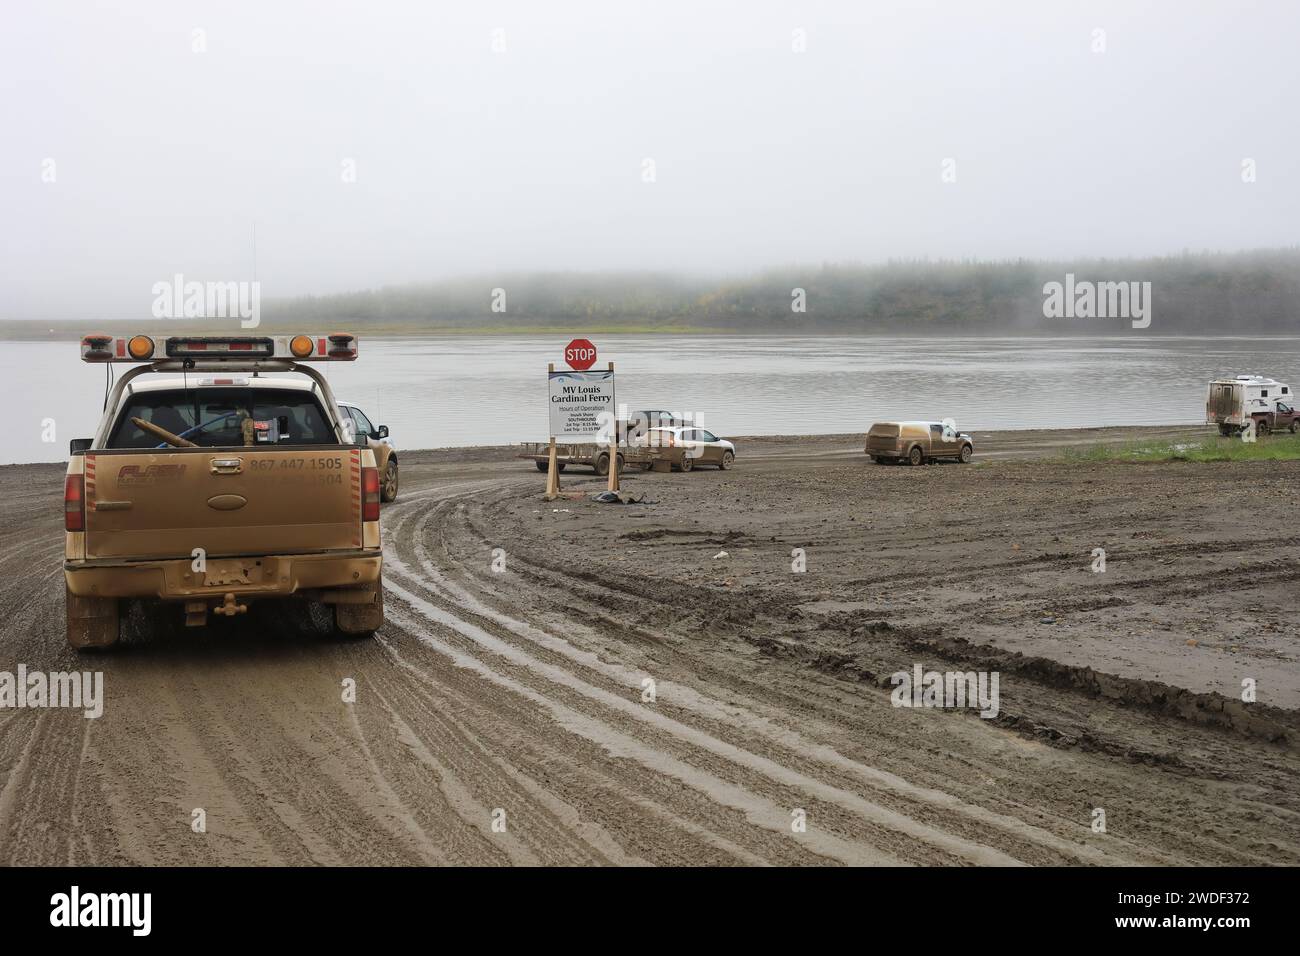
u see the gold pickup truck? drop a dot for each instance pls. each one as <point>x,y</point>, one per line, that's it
<point>214,480</point>
<point>917,442</point>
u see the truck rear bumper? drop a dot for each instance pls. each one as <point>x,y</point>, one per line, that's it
<point>253,577</point>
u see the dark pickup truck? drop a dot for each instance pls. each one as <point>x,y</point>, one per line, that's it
<point>1282,418</point>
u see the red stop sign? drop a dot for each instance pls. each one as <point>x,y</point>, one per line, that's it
<point>580,354</point>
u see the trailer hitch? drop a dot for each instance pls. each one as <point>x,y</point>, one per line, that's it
<point>229,606</point>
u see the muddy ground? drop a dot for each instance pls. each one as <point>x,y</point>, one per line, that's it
<point>503,714</point>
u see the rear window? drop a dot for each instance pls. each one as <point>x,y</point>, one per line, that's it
<point>214,417</point>
<point>884,430</point>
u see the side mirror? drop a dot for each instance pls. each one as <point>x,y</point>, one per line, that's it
<point>79,444</point>
<point>382,432</point>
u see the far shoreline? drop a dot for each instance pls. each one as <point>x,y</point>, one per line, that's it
<point>1014,438</point>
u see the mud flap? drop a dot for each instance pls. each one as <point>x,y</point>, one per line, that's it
<point>92,621</point>
<point>364,618</point>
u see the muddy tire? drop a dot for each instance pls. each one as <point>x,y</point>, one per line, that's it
<point>967,452</point>
<point>1226,431</point>
<point>1261,428</point>
<point>1294,427</point>
<point>728,459</point>
<point>92,623</point>
<point>916,456</point>
<point>361,620</point>
<point>388,487</point>
<point>687,463</point>
<point>542,465</point>
<point>602,464</point>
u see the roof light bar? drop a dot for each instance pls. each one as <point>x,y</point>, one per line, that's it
<point>318,347</point>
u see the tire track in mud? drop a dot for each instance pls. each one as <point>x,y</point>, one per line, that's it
<point>665,807</point>
<point>790,746</point>
<point>565,661</point>
<point>1158,799</point>
<point>757,810</point>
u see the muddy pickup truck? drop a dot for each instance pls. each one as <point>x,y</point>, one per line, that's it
<point>221,474</point>
<point>917,442</point>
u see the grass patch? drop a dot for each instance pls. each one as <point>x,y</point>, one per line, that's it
<point>1284,447</point>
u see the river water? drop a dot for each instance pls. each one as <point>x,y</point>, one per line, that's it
<point>440,391</point>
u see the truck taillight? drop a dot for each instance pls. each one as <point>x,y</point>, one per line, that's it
<point>369,494</point>
<point>74,502</point>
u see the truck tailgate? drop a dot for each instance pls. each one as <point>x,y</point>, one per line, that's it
<point>166,503</point>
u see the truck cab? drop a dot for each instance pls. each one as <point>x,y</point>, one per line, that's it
<point>221,473</point>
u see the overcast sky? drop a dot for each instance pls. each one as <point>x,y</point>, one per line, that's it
<point>470,159</point>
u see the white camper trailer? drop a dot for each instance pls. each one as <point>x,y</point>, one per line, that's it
<point>1230,402</point>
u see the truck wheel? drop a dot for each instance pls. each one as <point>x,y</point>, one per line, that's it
<point>728,459</point>
<point>966,452</point>
<point>361,620</point>
<point>1295,426</point>
<point>1226,430</point>
<point>602,464</point>
<point>92,622</point>
<point>542,465</point>
<point>916,456</point>
<point>687,463</point>
<point>388,490</point>
<point>1261,428</point>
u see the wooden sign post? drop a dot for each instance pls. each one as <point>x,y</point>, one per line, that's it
<point>552,467</point>
<point>613,450</point>
<point>552,474</point>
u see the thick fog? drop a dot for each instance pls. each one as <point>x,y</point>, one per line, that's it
<point>373,143</point>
